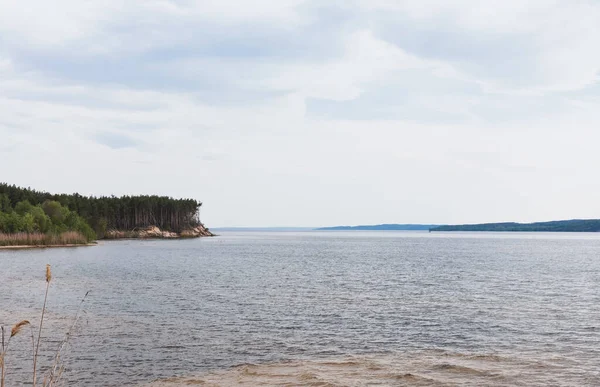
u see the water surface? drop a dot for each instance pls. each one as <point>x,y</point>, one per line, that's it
<point>337,308</point>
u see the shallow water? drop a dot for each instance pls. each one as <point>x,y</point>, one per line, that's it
<point>417,368</point>
<point>316,308</point>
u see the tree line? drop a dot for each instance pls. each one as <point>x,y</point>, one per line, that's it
<point>574,225</point>
<point>49,217</point>
<point>105,212</point>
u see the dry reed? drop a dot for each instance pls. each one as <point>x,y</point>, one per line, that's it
<point>13,332</point>
<point>17,328</point>
<point>54,373</point>
<point>37,346</point>
<point>40,239</point>
<point>57,368</point>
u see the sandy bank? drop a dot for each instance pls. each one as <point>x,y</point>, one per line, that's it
<point>153,232</point>
<point>22,247</point>
<point>420,368</point>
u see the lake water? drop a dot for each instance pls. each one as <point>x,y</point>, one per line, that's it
<point>315,308</point>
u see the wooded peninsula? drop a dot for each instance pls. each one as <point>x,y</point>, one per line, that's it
<point>29,217</point>
<point>574,225</point>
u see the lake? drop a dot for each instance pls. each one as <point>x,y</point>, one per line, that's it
<point>315,308</point>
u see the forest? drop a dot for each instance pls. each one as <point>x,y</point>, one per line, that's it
<point>27,210</point>
<point>575,225</point>
<point>48,223</point>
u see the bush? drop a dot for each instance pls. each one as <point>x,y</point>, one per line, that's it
<point>12,223</point>
<point>23,207</point>
<point>46,224</point>
<point>42,220</point>
<point>28,223</point>
<point>86,231</point>
<point>55,211</point>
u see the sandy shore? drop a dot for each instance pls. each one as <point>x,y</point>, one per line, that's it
<point>420,368</point>
<point>22,247</point>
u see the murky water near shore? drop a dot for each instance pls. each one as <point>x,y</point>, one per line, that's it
<point>327,309</point>
<point>417,368</point>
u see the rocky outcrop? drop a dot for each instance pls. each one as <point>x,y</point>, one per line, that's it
<point>198,231</point>
<point>153,232</point>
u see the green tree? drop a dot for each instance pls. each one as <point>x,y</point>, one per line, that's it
<point>23,207</point>
<point>87,231</point>
<point>3,226</point>
<point>4,203</point>
<point>28,223</point>
<point>42,220</point>
<point>13,223</point>
<point>71,219</point>
<point>55,212</point>
<point>104,213</point>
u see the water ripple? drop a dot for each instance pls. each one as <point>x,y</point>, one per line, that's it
<point>328,308</point>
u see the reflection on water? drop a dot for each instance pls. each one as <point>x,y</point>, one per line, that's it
<point>512,309</point>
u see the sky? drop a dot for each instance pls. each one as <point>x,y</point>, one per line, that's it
<point>309,113</point>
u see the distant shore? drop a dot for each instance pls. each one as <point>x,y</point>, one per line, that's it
<point>381,227</point>
<point>573,225</point>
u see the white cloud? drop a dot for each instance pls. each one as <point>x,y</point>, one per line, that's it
<point>366,59</point>
<point>561,35</point>
<point>52,23</point>
<point>107,26</point>
<point>109,97</point>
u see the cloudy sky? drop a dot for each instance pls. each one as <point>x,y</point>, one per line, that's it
<point>309,113</point>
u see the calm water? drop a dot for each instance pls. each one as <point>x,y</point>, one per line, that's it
<point>380,308</point>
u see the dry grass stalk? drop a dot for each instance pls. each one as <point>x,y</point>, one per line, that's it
<point>37,346</point>
<point>13,332</point>
<point>17,328</point>
<point>54,374</point>
<point>2,359</point>
<point>57,369</point>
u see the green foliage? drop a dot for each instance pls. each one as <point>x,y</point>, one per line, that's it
<point>72,220</point>
<point>109,213</point>
<point>28,223</point>
<point>575,225</point>
<point>12,222</point>
<point>54,210</point>
<point>23,207</point>
<point>99,226</point>
<point>42,220</point>
<point>50,218</point>
<point>23,210</point>
<point>5,203</point>
<point>86,231</point>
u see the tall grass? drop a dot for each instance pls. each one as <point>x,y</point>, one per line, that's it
<point>37,346</point>
<point>40,239</point>
<point>13,332</point>
<point>55,371</point>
